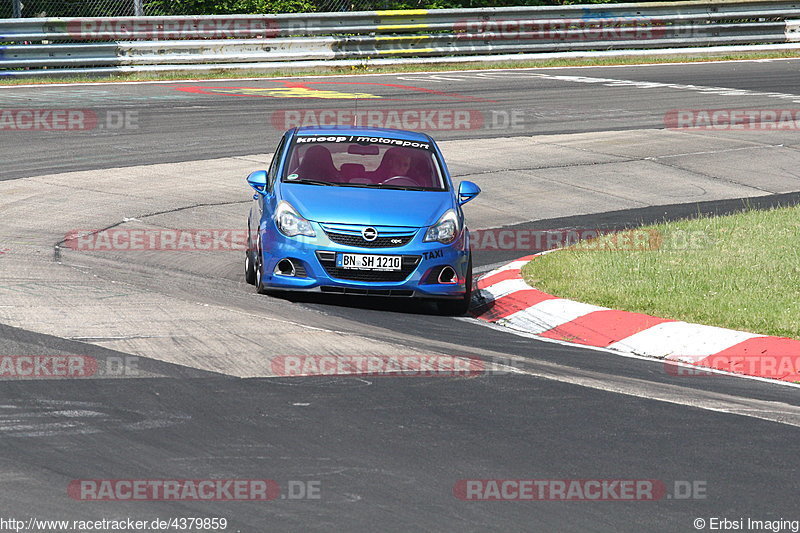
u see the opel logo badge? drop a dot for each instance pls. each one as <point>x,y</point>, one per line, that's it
<point>369,234</point>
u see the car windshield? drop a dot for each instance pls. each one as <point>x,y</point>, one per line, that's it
<point>356,161</point>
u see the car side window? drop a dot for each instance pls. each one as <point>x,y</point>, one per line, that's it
<point>273,167</point>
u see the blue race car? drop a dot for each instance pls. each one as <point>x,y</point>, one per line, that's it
<point>362,211</point>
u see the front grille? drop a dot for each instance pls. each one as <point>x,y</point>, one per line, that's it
<point>368,275</point>
<point>433,275</point>
<point>299,269</point>
<point>366,292</point>
<point>359,241</point>
<point>409,263</point>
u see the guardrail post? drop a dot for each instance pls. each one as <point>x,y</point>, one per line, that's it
<point>137,8</point>
<point>17,12</point>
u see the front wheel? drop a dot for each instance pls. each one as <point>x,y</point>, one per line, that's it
<point>461,306</point>
<point>249,260</point>
<point>249,267</point>
<point>260,288</point>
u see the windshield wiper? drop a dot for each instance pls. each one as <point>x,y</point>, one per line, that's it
<point>399,188</point>
<point>313,182</point>
<point>381,186</point>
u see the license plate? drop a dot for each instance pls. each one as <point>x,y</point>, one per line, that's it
<point>369,262</point>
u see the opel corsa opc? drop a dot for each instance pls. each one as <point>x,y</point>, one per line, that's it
<point>360,211</point>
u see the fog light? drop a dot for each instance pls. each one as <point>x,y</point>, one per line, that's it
<point>285,267</point>
<point>448,276</point>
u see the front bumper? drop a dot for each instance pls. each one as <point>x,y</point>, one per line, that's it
<point>315,256</point>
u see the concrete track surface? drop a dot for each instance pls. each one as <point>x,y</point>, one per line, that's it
<point>200,398</point>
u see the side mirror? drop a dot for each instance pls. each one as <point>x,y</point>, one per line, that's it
<point>258,181</point>
<point>467,191</point>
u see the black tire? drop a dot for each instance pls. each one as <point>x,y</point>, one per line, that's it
<point>461,306</point>
<point>249,267</point>
<point>260,288</point>
<point>249,260</point>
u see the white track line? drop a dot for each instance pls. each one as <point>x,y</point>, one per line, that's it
<point>420,73</point>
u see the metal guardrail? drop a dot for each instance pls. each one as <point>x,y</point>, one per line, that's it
<point>106,43</point>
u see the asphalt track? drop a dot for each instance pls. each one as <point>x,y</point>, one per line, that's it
<point>175,125</point>
<point>387,452</point>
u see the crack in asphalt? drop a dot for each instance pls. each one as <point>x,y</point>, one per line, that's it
<point>58,245</point>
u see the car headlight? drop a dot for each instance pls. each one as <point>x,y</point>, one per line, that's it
<point>445,230</point>
<point>290,223</point>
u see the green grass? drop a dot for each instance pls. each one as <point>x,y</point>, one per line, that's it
<point>740,271</point>
<point>419,67</point>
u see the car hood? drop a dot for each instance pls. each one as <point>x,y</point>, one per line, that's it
<point>370,207</point>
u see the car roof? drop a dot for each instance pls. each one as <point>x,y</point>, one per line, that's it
<point>367,132</point>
